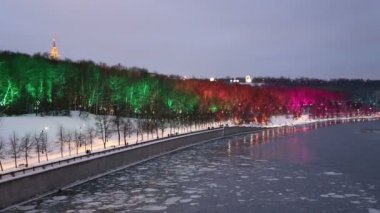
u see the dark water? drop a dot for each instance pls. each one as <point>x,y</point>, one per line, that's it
<point>316,168</point>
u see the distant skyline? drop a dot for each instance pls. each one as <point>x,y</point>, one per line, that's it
<point>204,38</point>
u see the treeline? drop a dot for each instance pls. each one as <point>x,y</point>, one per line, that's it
<point>364,91</point>
<point>39,85</point>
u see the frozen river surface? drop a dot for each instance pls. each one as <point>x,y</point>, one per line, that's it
<point>317,168</point>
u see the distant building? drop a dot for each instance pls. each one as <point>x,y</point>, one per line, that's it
<point>54,54</point>
<point>235,80</point>
<point>248,79</point>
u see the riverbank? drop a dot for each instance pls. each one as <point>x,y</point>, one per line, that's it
<point>27,186</point>
<point>87,167</point>
<point>328,166</point>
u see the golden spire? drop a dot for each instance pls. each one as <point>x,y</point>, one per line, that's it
<point>54,55</point>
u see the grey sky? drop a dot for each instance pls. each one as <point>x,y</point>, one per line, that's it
<point>203,38</point>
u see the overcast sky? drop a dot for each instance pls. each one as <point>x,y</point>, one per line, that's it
<point>203,38</point>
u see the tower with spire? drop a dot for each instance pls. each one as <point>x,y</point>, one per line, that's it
<point>54,55</point>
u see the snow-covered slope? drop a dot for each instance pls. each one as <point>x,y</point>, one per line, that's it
<point>30,124</point>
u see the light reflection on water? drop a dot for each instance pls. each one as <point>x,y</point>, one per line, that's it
<point>292,169</point>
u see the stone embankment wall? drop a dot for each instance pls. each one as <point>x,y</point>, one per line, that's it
<point>26,187</point>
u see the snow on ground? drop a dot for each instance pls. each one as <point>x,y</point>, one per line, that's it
<point>31,124</point>
<point>282,120</point>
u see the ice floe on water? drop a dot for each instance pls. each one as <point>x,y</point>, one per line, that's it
<point>153,208</point>
<point>172,200</point>
<point>333,173</point>
<point>150,190</point>
<point>371,210</point>
<point>206,169</point>
<point>59,198</point>
<point>269,178</point>
<point>185,200</point>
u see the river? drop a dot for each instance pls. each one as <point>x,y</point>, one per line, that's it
<point>325,167</point>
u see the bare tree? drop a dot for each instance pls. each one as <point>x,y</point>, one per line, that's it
<point>104,128</point>
<point>26,146</point>
<point>68,140</point>
<point>118,122</point>
<point>37,145</point>
<point>61,139</point>
<point>14,147</point>
<point>1,152</point>
<point>146,127</point>
<point>91,134</point>
<point>83,140</point>
<point>138,129</point>
<point>162,126</point>
<point>77,140</point>
<point>44,144</point>
<point>127,129</point>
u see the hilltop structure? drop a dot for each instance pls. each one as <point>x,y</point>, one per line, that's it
<point>54,54</point>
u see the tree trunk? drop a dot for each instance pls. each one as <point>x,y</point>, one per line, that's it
<point>38,155</point>
<point>15,157</point>
<point>118,132</point>
<point>137,136</point>
<point>61,149</point>
<point>26,158</point>
<point>69,148</point>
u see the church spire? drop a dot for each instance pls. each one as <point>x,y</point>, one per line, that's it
<point>54,55</point>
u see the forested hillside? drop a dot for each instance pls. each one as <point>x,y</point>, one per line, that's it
<point>35,84</point>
